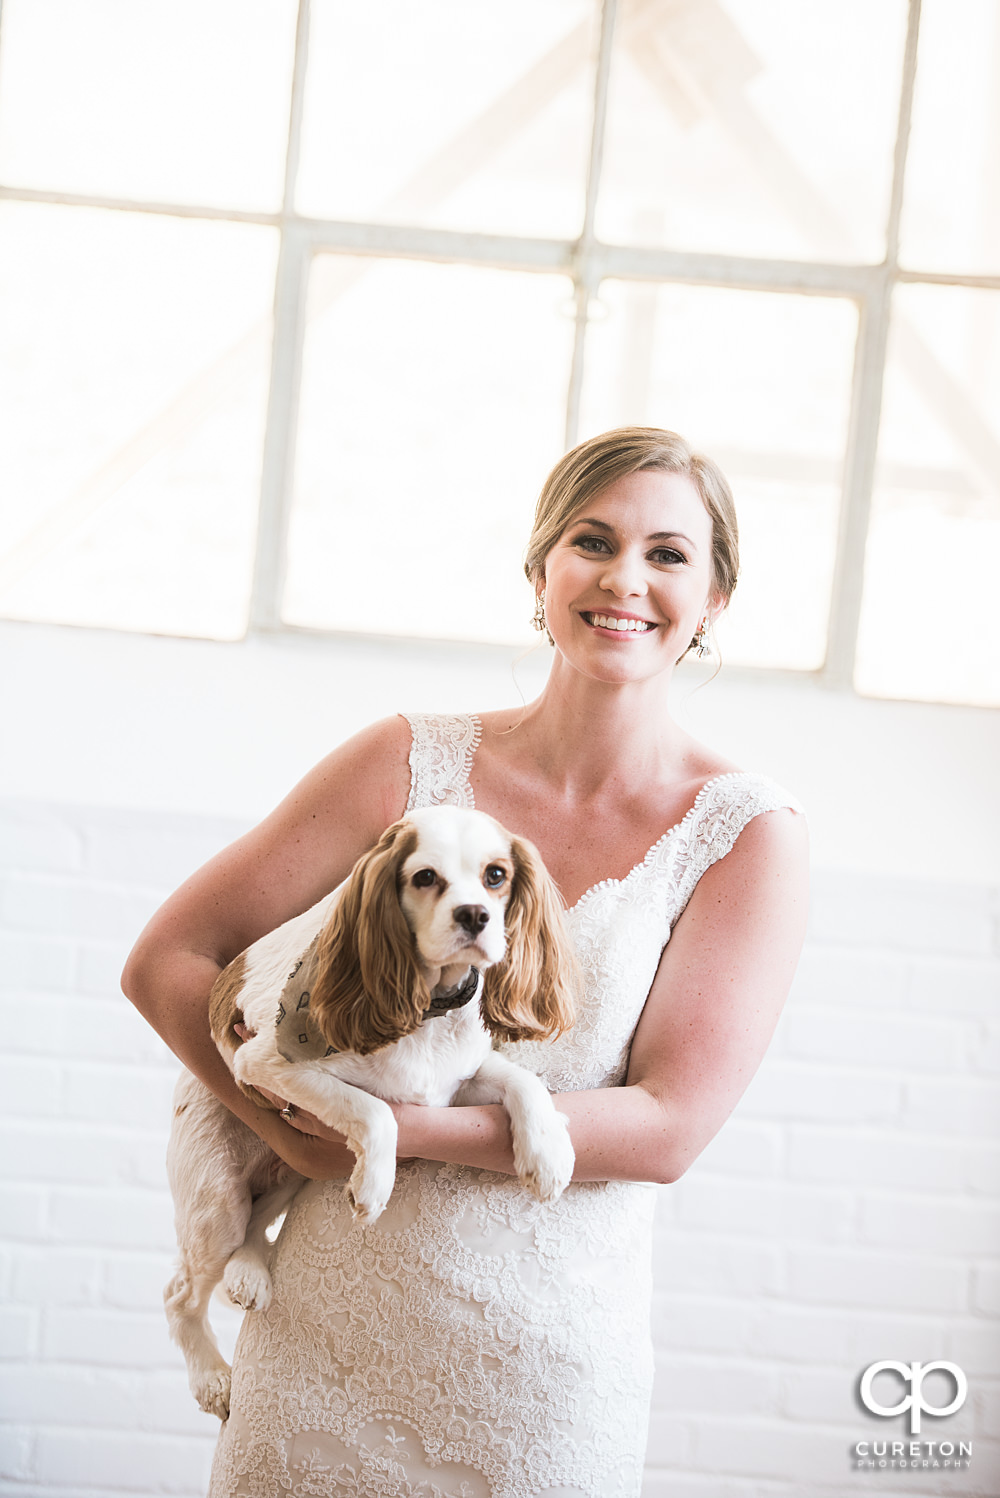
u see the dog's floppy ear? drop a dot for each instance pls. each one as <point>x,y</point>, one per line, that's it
<point>369,990</point>
<point>528,995</point>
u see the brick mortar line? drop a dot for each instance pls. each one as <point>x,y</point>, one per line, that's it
<point>904,1071</point>
<point>83,879</point>
<point>855,1189</point>
<point>874,1133</point>
<point>40,1428</point>
<point>48,1491</point>
<point>836,1071</point>
<point>773,1299</point>
<point>823,1008</point>
<point>42,1123</point>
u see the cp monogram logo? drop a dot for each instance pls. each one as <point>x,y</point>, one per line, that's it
<point>914,1375</point>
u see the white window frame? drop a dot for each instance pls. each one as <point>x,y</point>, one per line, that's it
<point>587,261</point>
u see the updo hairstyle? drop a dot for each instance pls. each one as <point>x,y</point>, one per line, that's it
<point>587,470</point>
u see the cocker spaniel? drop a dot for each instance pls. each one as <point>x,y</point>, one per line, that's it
<point>447,935</point>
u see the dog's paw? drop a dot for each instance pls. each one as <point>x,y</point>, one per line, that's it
<point>366,1207</point>
<point>544,1162</point>
<point>369,1189</point>
<point>211,1389</point>
<point>362,1210</point>
<point>247,1282</point>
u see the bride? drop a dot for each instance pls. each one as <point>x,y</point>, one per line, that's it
<point>473,1343</point>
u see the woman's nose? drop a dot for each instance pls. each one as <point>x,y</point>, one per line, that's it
<point>624,576</point>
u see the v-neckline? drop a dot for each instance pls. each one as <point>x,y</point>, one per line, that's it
<point>650,852</point>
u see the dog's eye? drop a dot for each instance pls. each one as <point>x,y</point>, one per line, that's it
<point>494,876</point>
<point>424,878</point>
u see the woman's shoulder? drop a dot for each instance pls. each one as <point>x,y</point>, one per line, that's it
<point>722,794</point>
<point>384,764</point>
<point>731,800</point>
<point>696,767</point>
<point>707,770</point>
<point>369,772</point>
<point>380,746</point>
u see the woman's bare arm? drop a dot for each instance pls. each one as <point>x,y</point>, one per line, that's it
<point>705,1026</point>
<point>305,848</point>
<point>712,1009</point>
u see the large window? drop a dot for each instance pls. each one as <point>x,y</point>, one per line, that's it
<point>300,302</point>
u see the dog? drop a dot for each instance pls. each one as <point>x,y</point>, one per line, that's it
<point>446,936</point>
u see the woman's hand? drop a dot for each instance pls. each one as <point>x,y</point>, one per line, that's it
<point>284,1107</point>
<point>308,1123</point>
<point>299,1118</point>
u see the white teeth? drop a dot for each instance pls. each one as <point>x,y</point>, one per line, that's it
<point>608,621</point>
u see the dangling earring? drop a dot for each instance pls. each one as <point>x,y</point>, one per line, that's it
<point>700,644</point>
<point>538,618</point>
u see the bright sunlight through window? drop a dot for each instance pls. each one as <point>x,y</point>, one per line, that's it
<point>298,294</point>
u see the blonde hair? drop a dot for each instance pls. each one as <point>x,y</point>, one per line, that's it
<point>589,469</point>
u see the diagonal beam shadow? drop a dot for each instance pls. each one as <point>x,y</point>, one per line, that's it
<point>691,85</point>
<point>687,89</point>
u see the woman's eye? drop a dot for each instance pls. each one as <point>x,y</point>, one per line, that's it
<point>667,557</point>
<point>494,876</point>
<point>591,543</point>
<point>423,878</point>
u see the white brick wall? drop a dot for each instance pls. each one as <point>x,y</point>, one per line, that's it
<point>92,1399</point>
<point>849,1212</point>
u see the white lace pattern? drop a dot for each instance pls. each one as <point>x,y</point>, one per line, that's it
<point>473,1343</point>
<point>441,756</point>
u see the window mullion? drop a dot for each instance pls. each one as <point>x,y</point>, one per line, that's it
<point>294,147</point>
<point>586,267</point>
<point>291,282</point>
<point>277,467</point>
<point>866,406</point>
<point>859,474</point>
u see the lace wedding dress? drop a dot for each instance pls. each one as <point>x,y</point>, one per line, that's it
<point>473,1343</point>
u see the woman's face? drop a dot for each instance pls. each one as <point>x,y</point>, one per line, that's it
<point>630,579</point>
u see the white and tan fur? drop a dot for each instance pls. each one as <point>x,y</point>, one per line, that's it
<point>387,939</point>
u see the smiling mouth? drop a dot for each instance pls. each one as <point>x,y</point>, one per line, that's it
<point>620,626</point>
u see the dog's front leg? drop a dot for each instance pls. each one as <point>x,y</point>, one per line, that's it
<point>543,1152</point>
<point>367,1123</point>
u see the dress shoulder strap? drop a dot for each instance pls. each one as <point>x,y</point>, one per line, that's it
<point>724,806</point>
<point>441,755</point>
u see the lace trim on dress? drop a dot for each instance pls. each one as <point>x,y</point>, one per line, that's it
<point>441,754</point>
<point>649,900</point>
<point>708,794</point>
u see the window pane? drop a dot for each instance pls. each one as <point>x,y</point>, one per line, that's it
<point>433,404</point>
<point>171,100</point>
<point>951,209</point>
<point>134,355</point>
<point>754,128</point>
<point>450,114</point>
<point>761,383</point>
<point>929,623</point>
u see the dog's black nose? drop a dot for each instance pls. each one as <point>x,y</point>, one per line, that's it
<point>471,918</point>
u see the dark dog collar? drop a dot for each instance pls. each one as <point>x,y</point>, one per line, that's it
<point>443,1000</point>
